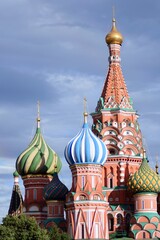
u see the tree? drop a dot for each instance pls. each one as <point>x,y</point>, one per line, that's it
<point>26,228</point>
<point>22,228</point>
<point>56,233</point>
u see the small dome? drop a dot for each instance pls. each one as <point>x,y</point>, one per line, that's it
<point>114,37</point>
<point>144,180</point>
<point>86,148</point>
<point>38,158</point>
<point>55,190</point>
<point>15,174</point>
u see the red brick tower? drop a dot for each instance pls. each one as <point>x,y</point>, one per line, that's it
<point>115,122</point>
<point>145,185</point>
<point>86,203</point>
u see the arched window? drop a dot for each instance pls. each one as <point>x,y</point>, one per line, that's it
<point>142,204</point>
<point>34,194</point>
<point>111,183</point>
<point>33,209</point>
<point>110,222</point>
<point>82,231</point>
<point>96,197</point>
<point>111,169</point>
<point>74,181</point>
<point>82,197</point>
<point>127,221</point>
<point>112,151</point>
<point>27,194</point>
<point>119,219</point>
<point>83,182</point>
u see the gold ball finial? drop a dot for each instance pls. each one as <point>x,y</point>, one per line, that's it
<point>114,36</point>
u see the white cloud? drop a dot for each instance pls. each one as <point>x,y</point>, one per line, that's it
<point>72,82</point>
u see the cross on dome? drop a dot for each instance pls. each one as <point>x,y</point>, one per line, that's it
<point>85,110</point>
<point>38,114</point>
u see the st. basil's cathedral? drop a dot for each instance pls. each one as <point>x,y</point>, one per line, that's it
<point>114,190</point>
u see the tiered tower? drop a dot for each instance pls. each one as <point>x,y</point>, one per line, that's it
<point>86,202</point>
<point>36,165</point>
<point>145,185</point>
<point>16,203</point>
<point>55,194</point>
<point>115,122</point>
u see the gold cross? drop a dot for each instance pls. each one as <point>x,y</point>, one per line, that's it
<point>38,110</point>
<point>113,12</point>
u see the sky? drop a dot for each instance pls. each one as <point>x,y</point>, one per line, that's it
<point>55,52</point>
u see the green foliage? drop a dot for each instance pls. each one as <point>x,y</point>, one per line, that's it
<point>6,233</point>
<point>22,228</point>
<point>26,228</point>
<point>56,233</point>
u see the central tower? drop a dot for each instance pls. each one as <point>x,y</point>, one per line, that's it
<point>115,122</point>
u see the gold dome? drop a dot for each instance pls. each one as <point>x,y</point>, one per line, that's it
<point>114,37</point>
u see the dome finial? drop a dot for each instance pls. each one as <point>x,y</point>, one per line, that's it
<point>38,114</point>
<point>85,110</point>
<point>85,147</point>
<point>113,12</point>
<point>16,177</point>
<point>114,36</point>
<point>156,164</point>
<point>144,154</point>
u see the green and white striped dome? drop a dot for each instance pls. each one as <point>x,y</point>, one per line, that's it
<point>38,158</point>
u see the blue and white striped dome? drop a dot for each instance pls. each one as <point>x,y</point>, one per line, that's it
<point>85,147</point>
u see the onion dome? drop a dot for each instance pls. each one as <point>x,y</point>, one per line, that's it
<point>38,158</point>
<point>85,147</point>
<point>114,36</point>
<point>55,190</point>
<point>145,179</point>
<point>15,174</point>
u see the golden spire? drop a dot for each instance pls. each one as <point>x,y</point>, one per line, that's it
<point>114,36</point>
<point>38,114</point>
<point>144,153</point>
<point>156,164</point>
<point>85,110</point>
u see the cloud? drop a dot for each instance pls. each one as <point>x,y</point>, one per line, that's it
<point>76,82</point>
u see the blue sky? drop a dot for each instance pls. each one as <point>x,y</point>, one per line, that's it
<point>54,52</point>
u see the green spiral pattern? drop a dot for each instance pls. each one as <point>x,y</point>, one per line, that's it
<point>38,158</point>
<point>144,180</point>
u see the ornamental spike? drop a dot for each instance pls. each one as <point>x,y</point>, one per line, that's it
<point>85,110</point>
<point>38,114</point>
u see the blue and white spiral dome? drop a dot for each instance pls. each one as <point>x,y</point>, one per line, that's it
<point>85,148</point>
